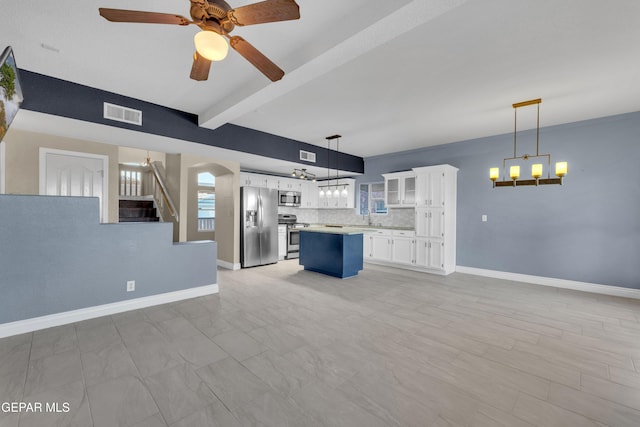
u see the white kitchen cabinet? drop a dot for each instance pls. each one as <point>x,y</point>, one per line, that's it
<point>380,248</point>
<point>430,222</point>
<point>252,180</point>
<point>379,245</point>
<point>402,247</point>
<point>436,217</point>
<point>248,179</point>
<point>400,189</point>
<point>430,254</point>
<point>434,185</point>
<point>282,241</point>
<point>432,248</point>
<point>366,245</point>
<point>323,202</point>
<point>272,182</point>
<point>347,201</point>
<point>290,184</point>
<point>309,195</point>
<point>389,246</point>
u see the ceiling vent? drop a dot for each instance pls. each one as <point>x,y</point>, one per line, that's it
<point>122,114</point>
<point>307,156</point>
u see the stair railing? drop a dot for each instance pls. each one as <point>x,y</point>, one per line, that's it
<point>160,187</point>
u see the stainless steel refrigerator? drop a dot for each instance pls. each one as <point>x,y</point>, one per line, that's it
<point>259,226</point>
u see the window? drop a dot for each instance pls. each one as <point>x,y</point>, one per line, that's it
<point>130,181</point>
<point>372,199</point>
<point>206,201</point>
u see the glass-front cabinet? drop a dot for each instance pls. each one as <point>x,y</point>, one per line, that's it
<point>400,189</point>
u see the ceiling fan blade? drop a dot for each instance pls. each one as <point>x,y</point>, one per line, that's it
<point>253,55</point>
<point>265,11</point>
<point>121,15</point>
<point>200,68</point>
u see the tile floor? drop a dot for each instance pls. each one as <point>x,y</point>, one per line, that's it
<point>283,347</point>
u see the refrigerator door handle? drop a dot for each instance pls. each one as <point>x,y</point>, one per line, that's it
<point>260,214</point>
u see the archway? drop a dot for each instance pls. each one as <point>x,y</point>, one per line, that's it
<point>210,207</point>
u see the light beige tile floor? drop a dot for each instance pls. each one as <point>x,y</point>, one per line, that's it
<point>279,346</point>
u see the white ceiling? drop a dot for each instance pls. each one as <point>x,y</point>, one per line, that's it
<point>388,75</point>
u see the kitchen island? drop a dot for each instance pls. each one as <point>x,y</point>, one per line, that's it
<point>335,251</point>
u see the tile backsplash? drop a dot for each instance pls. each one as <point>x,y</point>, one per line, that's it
<point>395,217</point>
<point>304,215</point>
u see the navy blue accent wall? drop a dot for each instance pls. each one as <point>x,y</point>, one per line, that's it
<point>49,95</point>
<point>586,230</point>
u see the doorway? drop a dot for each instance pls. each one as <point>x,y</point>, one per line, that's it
<point>70,173</point>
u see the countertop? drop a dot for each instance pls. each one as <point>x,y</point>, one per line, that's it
<point>363,227</point>
<point>349,229</point>
<point>333,230</point>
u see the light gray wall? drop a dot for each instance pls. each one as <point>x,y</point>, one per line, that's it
<point>586,230</point>
<point>56,257</point>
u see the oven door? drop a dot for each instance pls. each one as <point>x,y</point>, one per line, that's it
<point>293,243</point>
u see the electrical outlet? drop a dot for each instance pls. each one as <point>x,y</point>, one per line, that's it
<point>131,285</point>
<point>484,218</point>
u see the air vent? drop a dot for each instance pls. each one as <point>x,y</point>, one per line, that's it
<point>307,156</point>
<point>122,114</point>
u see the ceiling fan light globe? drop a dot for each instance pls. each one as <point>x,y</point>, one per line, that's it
<point>211,46</point>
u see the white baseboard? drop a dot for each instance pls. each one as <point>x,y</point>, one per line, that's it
<point>408,267</point>
<point>49,321</point>
<point>616,291</point>
<point>228,265</point>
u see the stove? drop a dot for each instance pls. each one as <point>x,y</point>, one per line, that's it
<point>293,234</point>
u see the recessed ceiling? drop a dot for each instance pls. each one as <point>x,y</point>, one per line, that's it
<point>387,75</point>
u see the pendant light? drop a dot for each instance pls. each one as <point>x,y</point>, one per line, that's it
<point>326,193</point>
<point>333,190</point>
<point>536,168</point>
<point>336,192</point>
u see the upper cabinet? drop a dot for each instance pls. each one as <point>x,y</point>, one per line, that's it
<point>248,179</point>
<point>400,189</point>
<point>309,190</point>
<point>309,196</point>
<point>434,185</point>
<point>430,185</point>
<point>273,182</point>
<point>290,184</point>
<point>252,180</point>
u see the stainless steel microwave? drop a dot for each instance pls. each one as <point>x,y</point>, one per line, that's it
<point>289,198</point>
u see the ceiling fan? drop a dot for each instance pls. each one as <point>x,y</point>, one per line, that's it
<point>216,19</point>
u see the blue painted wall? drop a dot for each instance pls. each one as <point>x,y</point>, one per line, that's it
<point>56,257</point>
<point>586,230</point>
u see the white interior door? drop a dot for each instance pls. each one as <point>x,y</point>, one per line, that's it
<point>67,173</point>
